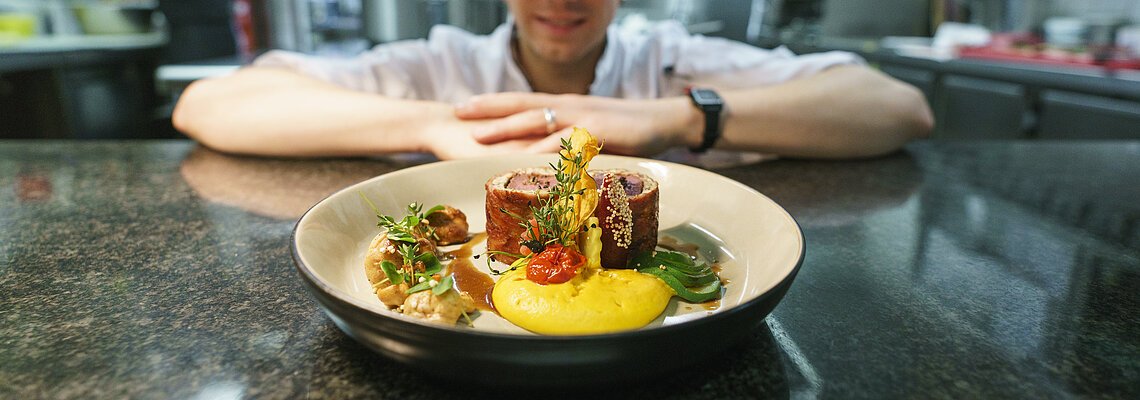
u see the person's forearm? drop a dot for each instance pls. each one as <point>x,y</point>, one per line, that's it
<point>277,112</point>
<point>843,112</point>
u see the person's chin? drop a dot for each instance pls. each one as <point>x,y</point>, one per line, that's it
<point>564,56</point>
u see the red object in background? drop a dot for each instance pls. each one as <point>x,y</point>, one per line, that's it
<point>1030,49</point>
<point>33,188</point>
<point>243,27</point>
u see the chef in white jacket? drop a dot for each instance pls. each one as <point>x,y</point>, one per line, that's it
<point>554,65</point>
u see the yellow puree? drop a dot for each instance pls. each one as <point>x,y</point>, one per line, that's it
<point>596,301</point>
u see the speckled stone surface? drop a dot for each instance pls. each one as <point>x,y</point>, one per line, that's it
<point>950,270</point>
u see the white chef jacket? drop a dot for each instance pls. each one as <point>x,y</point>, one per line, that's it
<point>453,65</point>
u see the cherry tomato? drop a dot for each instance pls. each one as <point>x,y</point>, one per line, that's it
<point>555,264</point>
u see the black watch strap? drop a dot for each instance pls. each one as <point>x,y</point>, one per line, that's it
<point>711,105</point>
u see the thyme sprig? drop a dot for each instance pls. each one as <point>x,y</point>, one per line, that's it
<point>563,209</point>
<point>555,218</point>
<point>520,260</point>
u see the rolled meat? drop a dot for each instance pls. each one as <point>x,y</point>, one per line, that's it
<point>625,235</point>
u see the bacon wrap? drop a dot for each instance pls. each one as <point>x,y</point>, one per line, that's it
<point>516,191</point>
<point>508,192</point>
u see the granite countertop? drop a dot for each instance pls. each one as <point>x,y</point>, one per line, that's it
<point>161,269</point>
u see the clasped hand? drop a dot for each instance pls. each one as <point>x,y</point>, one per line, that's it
<point>517,121</point>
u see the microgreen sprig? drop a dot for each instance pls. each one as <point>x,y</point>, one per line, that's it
<point>405,233</point>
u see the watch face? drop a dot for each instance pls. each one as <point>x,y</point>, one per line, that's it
<point>706,97</point>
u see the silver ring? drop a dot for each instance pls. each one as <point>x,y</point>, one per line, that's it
<point>551,123</point>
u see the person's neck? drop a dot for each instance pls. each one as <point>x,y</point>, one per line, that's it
<point>554,77</point>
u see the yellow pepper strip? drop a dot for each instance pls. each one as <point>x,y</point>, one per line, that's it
<point>590,240</point>
<point>585,144</point>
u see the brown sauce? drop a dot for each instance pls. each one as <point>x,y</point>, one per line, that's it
<point>672,244</point>
<point>468,279</point>
<point>716,269</point>
<point>708,305</point>
<point>715,304</point>
<point>711,305</point>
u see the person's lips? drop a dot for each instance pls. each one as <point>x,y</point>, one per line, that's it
<point>561,25</point>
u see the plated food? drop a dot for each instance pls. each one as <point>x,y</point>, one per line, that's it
<point>578,250</point>
<point>402,265</point>
<point>627,206</point>
<point>755,242</point>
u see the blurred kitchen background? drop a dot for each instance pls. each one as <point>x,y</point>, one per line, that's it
<point>1025,69</point>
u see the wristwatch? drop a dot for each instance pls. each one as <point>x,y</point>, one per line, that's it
<point>711,104</point>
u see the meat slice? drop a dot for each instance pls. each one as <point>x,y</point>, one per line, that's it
<point>512,194</point>
<point>516,191</point>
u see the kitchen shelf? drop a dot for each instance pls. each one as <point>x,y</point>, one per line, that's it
<point>73,50</point>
